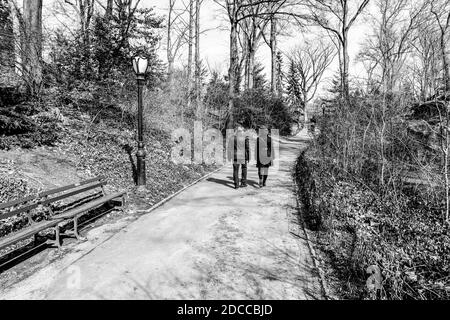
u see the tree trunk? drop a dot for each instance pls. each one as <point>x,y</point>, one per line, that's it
<point>232,72</point>
<point>109,9</point>
<point>273,51</point>
<point>86,11</point>
<point>445,64</point>
<point>6,37</point>
<point>341,68</point>
<point>423,83</point>
<point>345,56</point>
<point>170,63</point>
<point>447,187</point>
<point>190,47</point>
<point>197,58</point>
<point>345,68</point>
<point>17,57</point>
<point>169,46</point>
<point>32,45</point>
<point>246,62</point>
<point>279,75</point>
<point>252,44</point>
<point>305,106</point>
<point>251,68</point>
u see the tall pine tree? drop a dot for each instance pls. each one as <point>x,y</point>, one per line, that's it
<point>294,94</point>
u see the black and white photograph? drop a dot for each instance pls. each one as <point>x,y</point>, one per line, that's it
<point>228,157</point>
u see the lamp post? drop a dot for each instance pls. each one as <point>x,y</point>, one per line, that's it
<point>140,65</point>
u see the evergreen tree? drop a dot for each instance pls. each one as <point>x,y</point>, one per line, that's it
<point>294,95</point>
<point>216,92</point>
<point>118,37</point>
<point>260,81</point>
<point>114,40</point>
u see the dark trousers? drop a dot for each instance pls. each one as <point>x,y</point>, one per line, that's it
<point>236,173</point>
<point>263,174</point>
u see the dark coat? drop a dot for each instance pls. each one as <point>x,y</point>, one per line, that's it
<point>232,150</point>
<point>266,148</point>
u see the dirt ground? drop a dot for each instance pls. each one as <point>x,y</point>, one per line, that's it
<point>43,168</point>
<point>209,242</point>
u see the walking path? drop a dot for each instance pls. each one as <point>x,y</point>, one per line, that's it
<point>209,242</point>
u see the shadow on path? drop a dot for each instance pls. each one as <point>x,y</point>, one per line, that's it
<point>222,182</point>
<point>230,183</point>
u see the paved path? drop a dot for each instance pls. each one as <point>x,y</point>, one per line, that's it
<point>209,242</point>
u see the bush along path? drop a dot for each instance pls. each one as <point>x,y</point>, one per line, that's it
<point>357,231</point>
<point>208,242</point>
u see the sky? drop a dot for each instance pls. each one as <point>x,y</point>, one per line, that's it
<point>214,41</point>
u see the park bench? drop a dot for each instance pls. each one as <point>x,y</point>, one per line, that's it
<point>28,204</point>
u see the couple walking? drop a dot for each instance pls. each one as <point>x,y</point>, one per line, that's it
<point>239,154</point>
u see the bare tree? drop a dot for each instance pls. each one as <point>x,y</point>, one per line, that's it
<point>197,59</point>
<point>190,48</point>
<point>7,39</point>
<point>308,63</point>
<point>337,17</point>
<point>193,29</point>
<point>236,12</point>
<point>394,26</point>
<point>85,12</point>
<point>273,53</point>
<point>176,36</point>
<point>109,9</point>
<point>252,31</point>
<point>233,9</point>
<point>278,16</point>
<point>32,45</point>
<point>424,66</point>
<point>388,47</point>
<point>441,13</point>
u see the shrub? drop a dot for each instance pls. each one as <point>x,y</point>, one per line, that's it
<point>257,107</point>
<point>367,218</point>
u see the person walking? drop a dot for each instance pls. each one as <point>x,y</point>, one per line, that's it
<point>239,154</point>
<point>264,154</point>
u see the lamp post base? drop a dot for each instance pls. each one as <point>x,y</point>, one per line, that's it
<point>141,180</point>
<point>141,189</point>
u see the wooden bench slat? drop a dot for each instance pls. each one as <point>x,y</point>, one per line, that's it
<point>18,211</point>
<point>72,193</point>
<point>74,185</point>
<point>13,203</point>
<point>43,199</point>
<point>47,201</point>
<point>27,232</point>
<point>16,202</point>
<point>88,206</point>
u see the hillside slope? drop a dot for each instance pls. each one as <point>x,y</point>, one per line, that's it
<point>87,143</point>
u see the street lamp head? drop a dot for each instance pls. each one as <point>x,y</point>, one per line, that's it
<point>140,64</point>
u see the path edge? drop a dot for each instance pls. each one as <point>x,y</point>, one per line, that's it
<point>312,251</point>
